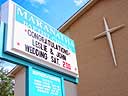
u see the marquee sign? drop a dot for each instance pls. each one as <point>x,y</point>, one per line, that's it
<point>30,37</point>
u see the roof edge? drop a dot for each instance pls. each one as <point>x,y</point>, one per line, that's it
<point>78,14</point>
<point>15,70</point>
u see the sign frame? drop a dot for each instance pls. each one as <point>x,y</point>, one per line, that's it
<point>9,38</point>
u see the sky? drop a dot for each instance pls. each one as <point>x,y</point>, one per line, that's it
<point>54,12</point>
<point>7,65</point>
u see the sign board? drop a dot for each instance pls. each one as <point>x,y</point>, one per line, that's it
<point>31,38</point>
<point>45,84</point>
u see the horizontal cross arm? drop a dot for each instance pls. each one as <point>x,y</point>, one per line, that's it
<point>100,35</point>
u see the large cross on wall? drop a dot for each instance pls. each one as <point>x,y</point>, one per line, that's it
<point>107,33</point>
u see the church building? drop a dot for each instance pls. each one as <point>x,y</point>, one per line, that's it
<point>100,31</point>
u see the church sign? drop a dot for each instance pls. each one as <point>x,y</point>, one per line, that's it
<point>45,84</point>
<point>31,38</point>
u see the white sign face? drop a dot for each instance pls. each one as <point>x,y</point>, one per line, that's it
<point>33,39</point>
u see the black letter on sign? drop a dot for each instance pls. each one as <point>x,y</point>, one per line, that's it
<point>51,51</point>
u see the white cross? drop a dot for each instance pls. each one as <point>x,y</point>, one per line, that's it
<point>107,33</point>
